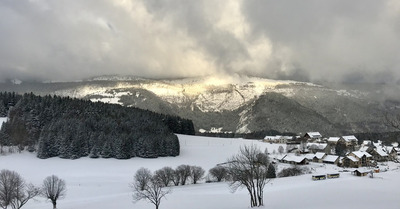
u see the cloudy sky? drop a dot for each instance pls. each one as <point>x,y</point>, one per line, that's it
<point>338,40</point>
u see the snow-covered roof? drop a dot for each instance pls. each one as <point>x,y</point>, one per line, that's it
<point>352,158</point>
<point>363,149</point>
<point>366,142</point>
<point>389,149</point>
<point>381,152</point>
<point>330,158</point>
<point>360,154</point>
<point>319,155</point>
<point>291,158</point>
<point>309,156</point>
<point>314,134</point>
<point>362,170</point>
<point>350,138</point>
<point>333,139</point>
<point>377,144</point>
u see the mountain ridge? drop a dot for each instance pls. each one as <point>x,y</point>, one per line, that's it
<point>239,104</point>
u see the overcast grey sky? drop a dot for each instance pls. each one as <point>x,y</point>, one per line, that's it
<point>336,40</point>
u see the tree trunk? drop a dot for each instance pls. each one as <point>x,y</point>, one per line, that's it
<point>54,204</point>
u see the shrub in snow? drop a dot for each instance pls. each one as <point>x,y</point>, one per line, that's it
<point>293,171</point>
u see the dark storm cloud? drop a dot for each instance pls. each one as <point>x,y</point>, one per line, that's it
<point>299,40</point>
<point>330,39</point>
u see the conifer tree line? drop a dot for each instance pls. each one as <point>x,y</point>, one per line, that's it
<point>73,128</point>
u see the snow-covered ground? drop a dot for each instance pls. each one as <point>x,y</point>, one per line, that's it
<point>104,183</point>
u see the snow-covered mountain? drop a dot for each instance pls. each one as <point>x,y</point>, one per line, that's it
<point>239,103</point>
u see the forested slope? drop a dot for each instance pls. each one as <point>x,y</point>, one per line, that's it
<point>73,128</point>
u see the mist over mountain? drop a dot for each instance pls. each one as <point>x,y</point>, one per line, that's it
<point>241,104</point>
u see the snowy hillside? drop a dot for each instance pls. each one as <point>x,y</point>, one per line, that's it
<point>104,183</point>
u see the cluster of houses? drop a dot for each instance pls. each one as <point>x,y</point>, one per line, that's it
<point>312,147</point>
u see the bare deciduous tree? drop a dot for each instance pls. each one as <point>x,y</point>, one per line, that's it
<point>177,178</point>
<point>7,183</point>
<point>153,192</point>
<point>249,169</point>
<point>14,191</point>
<point>23,194</point>
<point>184,172</point>
<point>196,173</point>
<point>164,175</point>
<point>218,172</point>
<point>142,178</point>
<point>54,188</point>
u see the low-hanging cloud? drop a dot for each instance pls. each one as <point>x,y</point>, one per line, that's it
<point>307,40</point>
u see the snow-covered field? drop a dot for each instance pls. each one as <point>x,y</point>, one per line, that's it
<point>104,183</point>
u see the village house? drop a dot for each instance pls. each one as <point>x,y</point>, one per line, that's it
<point>331,159</point>
<point>364,158</point>
<point>318,147</point>
<point>361,172</point>
<point>313,136</point>
<point>271,139</point>
<point>391,151</point>
<point>333,140</point>
<point>309,157</point>
<point>379,154</point>
<point>294,160</point>
<point>351,162</point>
<point>318,157</point>
<point>350,140</point>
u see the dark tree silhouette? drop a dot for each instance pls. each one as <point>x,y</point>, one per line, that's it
<point>14,191</point>
<point>54,188</point>
<point>219,172</point>
<point>249,169</point>
<point>152,191</point>
<point>196,173</point>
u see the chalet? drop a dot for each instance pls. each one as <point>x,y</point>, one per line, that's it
<point>309,157</point>
<point>318,157</point>
<point>333,140</point>
<point>391,151</point>
<point>379,154</point>
<point>351,162</point>
<point>364,158</point>
<point>318,147</point>
<point>360,172</point>
<point>271,139</point>
<point>350,140</point>
<point>331,159</point>
<point>284,139</point>
<point>294,160</point>
<point>313,136</point>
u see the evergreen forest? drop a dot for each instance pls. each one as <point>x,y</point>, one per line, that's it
<point>55,126</point>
